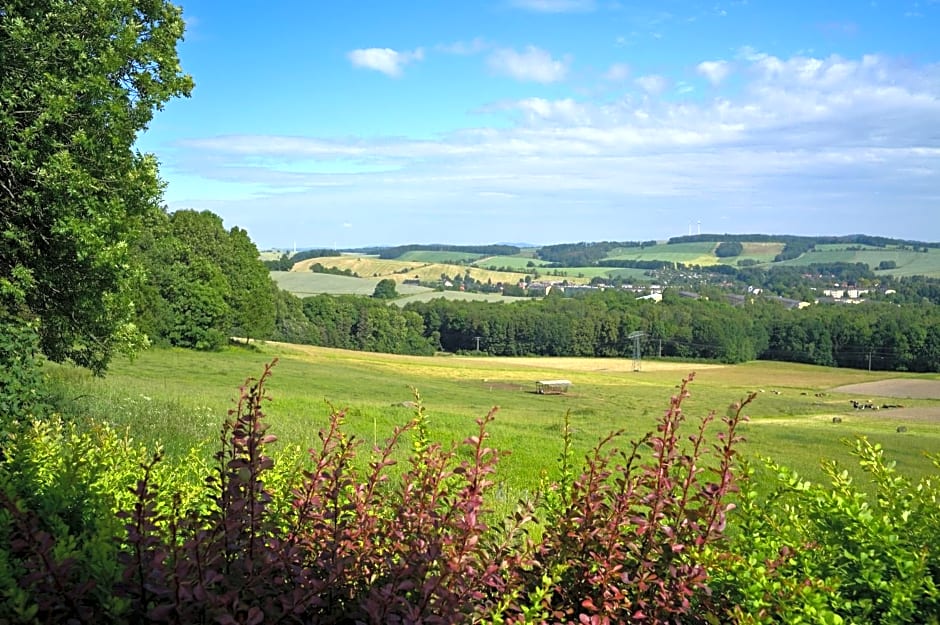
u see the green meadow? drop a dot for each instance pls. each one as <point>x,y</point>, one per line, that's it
<point>519,262</point>
<point>306,283</point>
<point>699,253</point>
<point>909,262</point>
<point>427,256</point>
<point>178,399</point>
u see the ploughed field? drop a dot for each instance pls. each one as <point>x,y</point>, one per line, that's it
<point>800,414</point>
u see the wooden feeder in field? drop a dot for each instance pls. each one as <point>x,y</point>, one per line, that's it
<point>552,387</point>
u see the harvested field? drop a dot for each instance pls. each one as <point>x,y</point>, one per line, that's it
<point>589,364</point>
<point>913,389</point>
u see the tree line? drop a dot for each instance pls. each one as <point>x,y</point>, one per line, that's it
<point>390,253</point>
<point>880,336</point>
<point>850,239</point>
<point>584,254</point>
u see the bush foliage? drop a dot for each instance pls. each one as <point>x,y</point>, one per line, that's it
<point>666,529</point>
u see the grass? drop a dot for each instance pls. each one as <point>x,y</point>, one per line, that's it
<point>517,263</point>
<point>399,270</point>
<point>270,254</point>
<point>427,256</point>
<point>305,283</point>
<point>699,253</point>
<point>909,262</point>
<point>179,398</point>
<point>762,252</point>
<point>457,295</point>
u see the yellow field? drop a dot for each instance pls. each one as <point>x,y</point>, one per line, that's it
<point>400,270</point>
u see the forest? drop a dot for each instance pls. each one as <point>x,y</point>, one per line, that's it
<point>879,336</point>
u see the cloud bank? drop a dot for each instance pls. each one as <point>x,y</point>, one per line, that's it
<point>803,145</point>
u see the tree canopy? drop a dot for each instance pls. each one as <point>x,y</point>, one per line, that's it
<point>203,283</point>
<point>385,289</point>
<point>78,82</point>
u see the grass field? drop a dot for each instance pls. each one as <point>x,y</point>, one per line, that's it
<point>426,256</point>
<point>270,254</point>
<point>518,263</point>
<point>305,283</point>
<point>689,253</point>
<point>762,252</point>
<point>179,397</point>
<point>909,262</point>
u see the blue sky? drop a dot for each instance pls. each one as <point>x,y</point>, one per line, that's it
<point>354,123</point>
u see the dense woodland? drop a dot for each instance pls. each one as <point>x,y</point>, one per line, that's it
<point>878,335</point>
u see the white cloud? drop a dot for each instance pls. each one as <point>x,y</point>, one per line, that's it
<point>750,54</point>
<point>389,62</point>
<point>533,65</point>
<point>803,141</point>
<point>555,6</point>
<point>714,71</point>
<point>617,72</point>
<point>652,84</point>
<point>564,112</point>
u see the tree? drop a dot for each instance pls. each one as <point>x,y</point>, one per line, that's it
<point>385,289</point>
<point>252,308</point>
<point>226,289</point>
<point>729,249</point>
<point>78,82</point>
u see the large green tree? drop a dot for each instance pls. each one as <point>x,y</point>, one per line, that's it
<point>78,82</point>
<point>203,283</point>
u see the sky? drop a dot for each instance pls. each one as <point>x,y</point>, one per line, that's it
<point>351,123</point>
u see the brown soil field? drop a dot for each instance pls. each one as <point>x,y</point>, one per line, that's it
<point>913,389</point>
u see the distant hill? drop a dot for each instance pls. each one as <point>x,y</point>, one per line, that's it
<point>637,262</point>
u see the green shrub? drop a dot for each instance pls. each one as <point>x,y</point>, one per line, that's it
<point>836,553</point>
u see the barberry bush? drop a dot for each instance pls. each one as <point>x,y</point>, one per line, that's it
<point>624,540</point>
<point>621,540</point>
